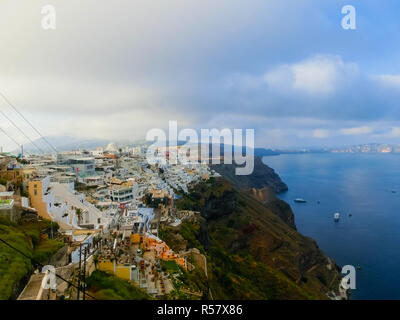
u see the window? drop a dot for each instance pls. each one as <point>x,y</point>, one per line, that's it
<point>35,192</point>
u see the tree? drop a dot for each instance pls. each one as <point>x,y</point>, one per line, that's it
<point>78,213</point>
<point>95,260</point>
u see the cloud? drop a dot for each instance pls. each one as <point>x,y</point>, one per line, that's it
<point>395,132</point>
<point>321,74</point>
<point>388,80</point>
<point>320,133</point>
<point>284,68</point>
<point>317,75</point>
<point>356,131</point>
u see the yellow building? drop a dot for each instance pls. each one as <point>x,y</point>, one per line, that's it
<point>40,196</point>
<point>107,266</point>
<point>136,238</point>
<point>14,175</point>
<point>120,270</point>
<point>27,175</point>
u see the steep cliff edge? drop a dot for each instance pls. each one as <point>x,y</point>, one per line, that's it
<point>268,198</point>
<point>262,176</point>
<point>251,243</point>
<point>263,185</point>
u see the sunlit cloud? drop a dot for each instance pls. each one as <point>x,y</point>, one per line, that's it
<point>356,131</point>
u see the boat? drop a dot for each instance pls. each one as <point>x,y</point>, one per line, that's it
<point>336,216</point>
<point>350,215</point>
<point>300,200</point>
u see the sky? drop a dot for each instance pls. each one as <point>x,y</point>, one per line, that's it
<point>287,69</point>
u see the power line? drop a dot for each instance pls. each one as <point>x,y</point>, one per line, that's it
<point>32,126</point>
<point>12,122</point>
<point>11,138</point>
<point>41,265</point>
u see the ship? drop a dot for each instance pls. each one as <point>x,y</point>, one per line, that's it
<point>336,216</point>
<point>300,200</point>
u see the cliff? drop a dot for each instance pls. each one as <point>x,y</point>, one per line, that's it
<point>250,239</point>
<point>262,176</point>
<point>262,185</point>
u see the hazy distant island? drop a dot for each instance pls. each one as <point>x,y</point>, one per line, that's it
<point>362,148</point>
<point>64,143</point>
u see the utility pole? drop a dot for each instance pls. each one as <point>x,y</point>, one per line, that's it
<point>79,273</point>
<point>84,273</point>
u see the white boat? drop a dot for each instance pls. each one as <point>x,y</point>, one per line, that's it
<point>336,216</point>
<point>300,200</point>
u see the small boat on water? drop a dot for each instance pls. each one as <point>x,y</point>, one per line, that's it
<point>350,215</point>
<point>300,200</point>
<point>336,216</point>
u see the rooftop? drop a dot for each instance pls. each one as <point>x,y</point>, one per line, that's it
<point>6,204</point>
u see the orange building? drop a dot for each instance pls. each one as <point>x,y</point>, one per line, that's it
<point>161,249</point>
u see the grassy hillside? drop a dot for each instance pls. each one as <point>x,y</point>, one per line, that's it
<point>14,267</point>
<point>104,286</point>
<point>252,253</point>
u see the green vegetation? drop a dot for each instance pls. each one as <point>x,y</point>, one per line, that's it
<point>22,160</point>
<point>35,229</point>
<point>5,202</point>
<point>182,237</point>
<point>251,252</point>
<point>13,266</point>
<point>155,202</point>
<point>45,249</point>
<point>188,285</point>
<point>104,286</point>
<point>25,237</point>
<point>82,187</point>
<point>242,277</point>
<point>170,266</point>
<point>78,213</point>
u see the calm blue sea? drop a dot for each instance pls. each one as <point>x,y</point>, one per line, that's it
<point>360,184</point>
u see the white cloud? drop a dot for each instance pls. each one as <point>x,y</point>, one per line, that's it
<point>356,131</point>
<point>318,75</point>
<point>321,74</point>
<point>388,80</point>
<point>395,132</point>
<point>320,133</point>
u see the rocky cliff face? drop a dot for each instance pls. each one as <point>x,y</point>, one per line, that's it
<point>253,248</point>
<point>268,198</point>
<point>262,176</point>
<point>263,185</point>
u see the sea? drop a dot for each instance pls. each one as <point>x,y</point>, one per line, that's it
<point>365,186</point>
